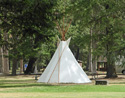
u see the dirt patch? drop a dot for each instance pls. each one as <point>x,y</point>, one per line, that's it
<point>119,80</point>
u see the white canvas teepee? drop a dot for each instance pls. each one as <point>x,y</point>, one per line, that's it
<point>63,67</point>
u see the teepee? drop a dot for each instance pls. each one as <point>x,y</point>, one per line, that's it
<point>63,67</point>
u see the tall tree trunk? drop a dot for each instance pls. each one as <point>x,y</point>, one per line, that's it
<point>30,65</point>
<point>111,72</point>
<point>14,67</point>
<point>90,53</point>
<point>94,64</point>
<point>94,57</point>
<point>0,61</point>
<point>87,67</point>
<point>21,66</point>
<point>5,59</point>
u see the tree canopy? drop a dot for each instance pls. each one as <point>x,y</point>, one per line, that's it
<point>29,29</point>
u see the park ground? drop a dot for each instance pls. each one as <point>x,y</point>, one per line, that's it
<point>25,86</point>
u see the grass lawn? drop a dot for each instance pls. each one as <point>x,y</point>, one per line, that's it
<point>27,87</point>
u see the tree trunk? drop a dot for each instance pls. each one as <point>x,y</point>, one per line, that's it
<point>6,65</point>
<point>94,64</point>
<point>111,72</point>
<point>14,67</point>
<point>94,57</point>
<point>87,66</point>
<point>32,60</point>
<point>5,61</point>
<point>21,66</point>
<point>90,53</point>
<point>29,69</point>
<point>0,61</point>
<point>77,54</point>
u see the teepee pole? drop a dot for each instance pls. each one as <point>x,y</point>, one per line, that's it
<point>63,25</point>
<point>59,29</point>
<point>57,62</point>
<point>68,26</point>
<point>63,31</point>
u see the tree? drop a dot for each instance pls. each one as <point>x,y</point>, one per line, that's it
<point>28,26</point>
<point>106,19</point>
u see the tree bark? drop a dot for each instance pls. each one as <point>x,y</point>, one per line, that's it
<point>77,54</point>
<point>30,65</point>
<point>5,61</point>
<point>87,67</point>
<point>94,57</point>
<point>90,53</point>
<point>4,52</point>
<point>0,61</point>
<point>94,64</point>
<point>21,66</point>
<point>14,67</point>
<point>111,72</point>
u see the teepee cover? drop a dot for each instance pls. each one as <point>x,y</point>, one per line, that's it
<point>63,67</point>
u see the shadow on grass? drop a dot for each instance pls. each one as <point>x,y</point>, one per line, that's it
<point>9,81</point>
<point>4,85</point>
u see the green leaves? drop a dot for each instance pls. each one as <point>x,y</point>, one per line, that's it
<point>29,23</point>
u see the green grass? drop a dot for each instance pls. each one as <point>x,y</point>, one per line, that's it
<point>39,87</point>
<point>64,95</point>
<point>76,88</point>
<point>29,88</point>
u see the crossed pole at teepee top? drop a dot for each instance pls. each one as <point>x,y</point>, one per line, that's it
<point>62,30</point>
